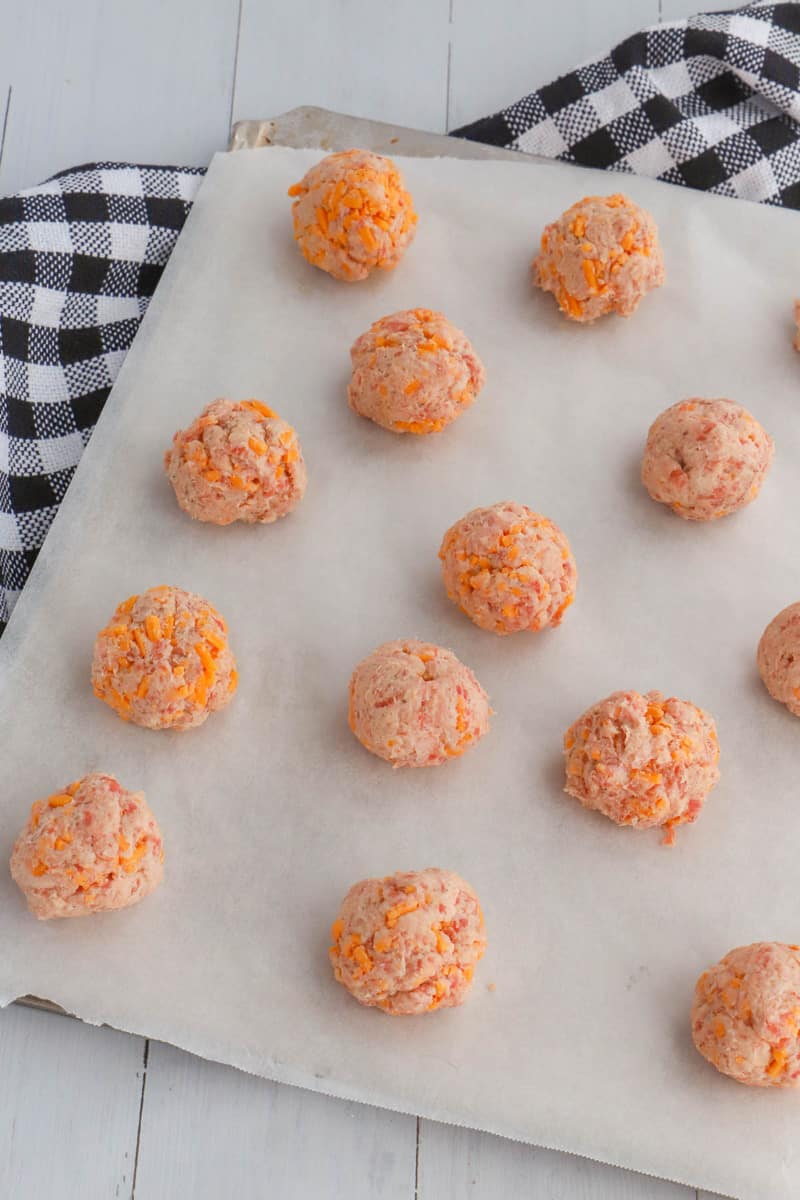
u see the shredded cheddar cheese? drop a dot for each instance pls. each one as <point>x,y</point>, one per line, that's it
<point>152,627</point>
<point>394,914</point>
<point>777,1063</point>
<point>59,800</point>
<point>130,864</point>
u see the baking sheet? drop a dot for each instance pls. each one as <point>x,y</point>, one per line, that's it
<point>271,810</point>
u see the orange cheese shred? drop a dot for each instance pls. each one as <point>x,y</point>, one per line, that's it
<point>152,627</point>
<point>777,1063</point>
<point>59,800</point>
<point>394,914</point>
<point>129,864</point>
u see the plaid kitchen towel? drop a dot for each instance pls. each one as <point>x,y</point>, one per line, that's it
<point>710,103</point>
<point>80,257</point>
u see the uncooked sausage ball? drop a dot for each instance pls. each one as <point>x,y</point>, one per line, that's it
<point>706,458</point>
<point>508,568</point>
<point>415,705</point>
<point>414,372</point>
<point>408,943</point>
<point>88,848</point>
<point>642,760</point>
<point>745,1015</point>
<point>600,256</point>
<point>163,661</point>
<point>352,213</point>
<point>779,658</point>
<point>238,461</point>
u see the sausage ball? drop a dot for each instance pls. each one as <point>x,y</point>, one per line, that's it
<point>600,256</point>
<point>164,661</point>
<point>415,705</point>
<point>642,760</point>
<point>408,943</point>
<point>413,372</point>
<point>88,848</point>
<point>352,214</point>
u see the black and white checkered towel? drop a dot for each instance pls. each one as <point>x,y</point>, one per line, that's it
<point>710,103</point>
<point>80,257</point>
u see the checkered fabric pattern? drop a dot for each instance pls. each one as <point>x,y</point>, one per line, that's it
<point>710,103</point>
<point>80,257</point>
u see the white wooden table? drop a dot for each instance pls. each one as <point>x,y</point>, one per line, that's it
<point>90,1113</point>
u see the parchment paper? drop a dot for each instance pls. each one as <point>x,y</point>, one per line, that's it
<point>271,810</point>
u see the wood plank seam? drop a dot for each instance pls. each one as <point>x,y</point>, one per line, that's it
<point>419,1120</point>
<point>236,64</point>
<point>145,1058</point>
<point>5,123</point>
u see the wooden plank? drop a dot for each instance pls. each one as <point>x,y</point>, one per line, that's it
<point>502,51</point>
<point>387,62</point>
<point>209,1131</point>
<point>146,82</point>
<point>69,1107</point>
<point>477,1166</point>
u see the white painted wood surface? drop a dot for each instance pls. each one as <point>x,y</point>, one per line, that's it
<point>104,79</point>
<point>463,1163</point>
<point>387,62</point>
<point>160,82</point>
<point>204,1135</point>
<point>576,31</point>
<point>69,1108</point>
